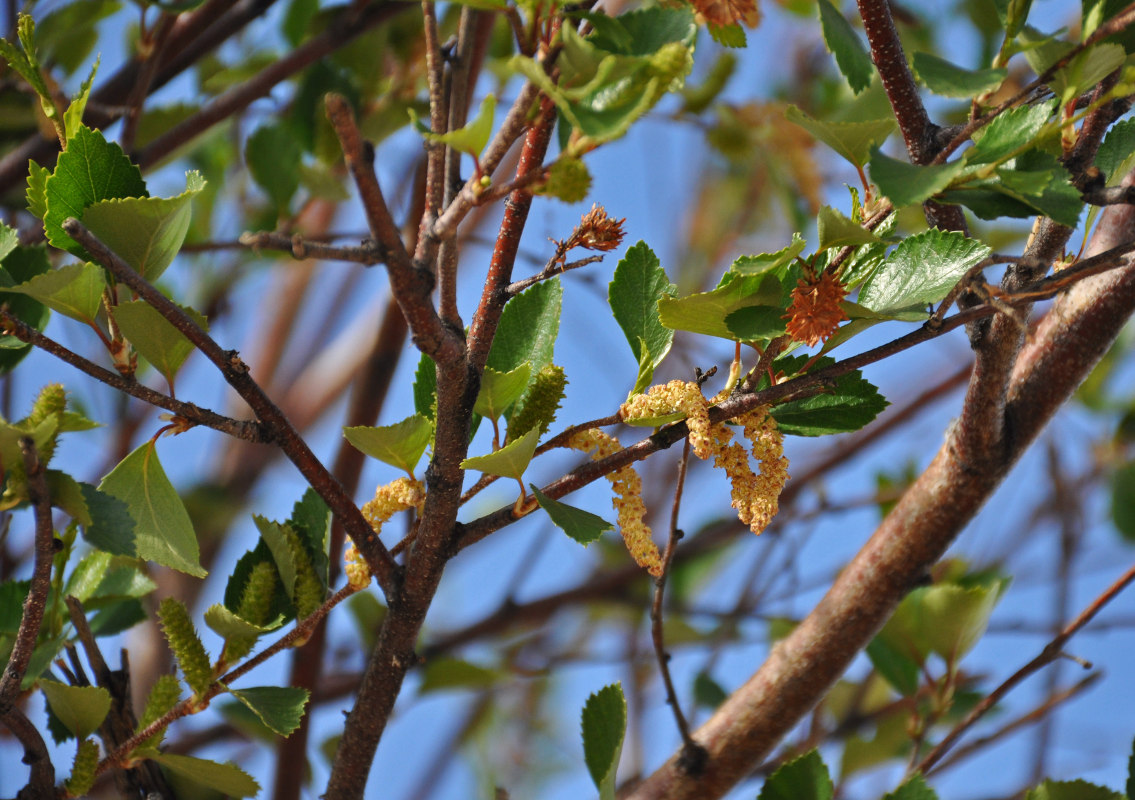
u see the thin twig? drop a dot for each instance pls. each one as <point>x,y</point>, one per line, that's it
<point>246,430</point>
<point>693,754</point>
<point>550,270</point>
<point>236,374</point>
<point>367,253</point>
<point>1052,651</point>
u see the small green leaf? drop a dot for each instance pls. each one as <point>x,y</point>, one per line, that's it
<point>706,312</point>
<point>1116,155</point>
<point>950,80</point>
<point>1071,790</point>
<point>844,43</point>
<point>471,138</point>
<point>922,269</point>
<point>907,184</point>
<point>9,240</point>
<point>81,708</point>
<point>224,778</point>
<point>425,388</point>
<point>74,290</point>
<point>154,337</point>
<point>37,189</point>
<point>603,725</point>
<point>768,262</point>
<point>896,666</point>
<point>91,169</point>
<point>400,445</point>
<point>146,231</point>
<point>851,404</point>
<point>1086,69</point>
<point>803,778</point>
<point>273,157</point>
<point>1012,14</point>
<point>583,526</point>
<point>20,266</point>
<point>226,624</point>
<point>945,619</point>
<point>1123,501</point>
<point>510,461</point>
<point>852,140</point>
<point>163,532</point>
<point>527,331</point>
<point>1009,133</point>
<point>12,594</point>
<point>708,692</point>
<point>728,35</point>
<point>836,230</point>
<point>633,294</point>
<point>278,707</point>
<point>913,789</point>
<point>441,674</point>
<point>499,390</point>
<point>73,116</point>
<point>276,539</point>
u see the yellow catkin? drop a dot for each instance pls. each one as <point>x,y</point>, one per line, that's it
<point>398,495</point>
<point>683,396</point>
<point>355,568</point>
<point>627,501</point>
<point>755,495</point>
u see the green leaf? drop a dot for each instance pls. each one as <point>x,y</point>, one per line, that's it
<point>913,789</point>
<point>163,532</point>
<point>907,184</point>
<point>1012,14</point>
<point>400,445</point>
<point>754,323</point>
<point>276,539</point>
<point>844,43</point>
<point>441,674</point>
<point>1086,69</point>
<point>768,262</point>
<point>1123,501</point>
<point>425,387</point>
<point>1130,785</point>
<point>852,140</point>
<point>510,461</point>
<point>81,708</point>
<point>278,707</point>
<point>836,230</point>
<point>945,619</point>
<point>706,312</point>
<point>727,35</point>
<point>273,157</point>
<point>708,692</point>
<point>1071,790</point>
<point>1116,155</point>
<point>528,328</point>
<point>851,404</point>
<point>146,231</point>
<point>91,169</point>
<point>1009,133</point>
<point>803,778</point>
<point>73,116</point>
<point>100,576</point>
<point>499,390</point>
<point>12,594</point>
<point>950,80</point>
<point>37,189</point>
<point>633,294</point>
<point>922,269</point>
<point>229,626</point>
<point>471,138</point>
<point>224,778</point>
<point>583,526</point>
<point>603,725</point>
<point>20,266</point>
<point>9,240</point>
<point>74,290</point>
<point>154,337</point>
<point>899,670</point>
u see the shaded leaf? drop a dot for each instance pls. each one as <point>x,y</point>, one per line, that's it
<point>278,707</point>
<point>400,445</point>
<point>603,725</point>
<point>907,184</point>
<point>803,778</point>
<point>851,404</point>
<point>844,43</point>
<point>583,526</point>
<point>852,140</point>
<point>706,312</point>
<point>837,230</point>
<point>441,674</point>
<point>225,778</point>
<point>273,157</point>
<point>913,789</point>
<point>949,80</point>
<point>74,290</point>
<point>80,708</point>
<point>499,390</point>
<point>154,337</point>
<point>1071,790</point>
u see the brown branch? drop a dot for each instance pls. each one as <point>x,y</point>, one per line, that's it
<point>1052,651</point>
<point>41,781</point>
<point>246,430</point>
<point>35,604</point>
<point>367,253</point>
<point>236,374</point>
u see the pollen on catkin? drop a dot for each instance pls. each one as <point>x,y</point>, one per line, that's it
<point>398,495</point>
<point>355,568</point>
<point>755,495</point>
<point>684,396</point>
<point>627,488</point>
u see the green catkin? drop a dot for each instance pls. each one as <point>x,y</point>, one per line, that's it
<point>83,771</point>
<point>186,645</point>
<point>308,593</point>
<point>51,402</point>
<point>541,404</point>
<point>256,598</point>
<point>163,697</point>
<point>568,180</point>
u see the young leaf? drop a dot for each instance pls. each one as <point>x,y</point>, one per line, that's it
<point>1117,151</point>
<point>1086,69</point>
<point>851,404</point>
<point>499,390</point>
<point>767,262</point>
<point>907,184</point>
<point>510,461</point>
<point>228,779</point>
<point>163,532</point>
<point>836,230</point>
<point>922,269</point>
<point>899,669</point>
<point>229,626</point>
<point>946,619</point>
<point>1071,790</point>
<point>844,43</point>
<point>583,526</point>
<point>273,157</point>
<point>633,294</point>
<point>154,337</point>
<point>73,116</point>
<point>20,266</point>
<point>803,778</point>
<point>400,445</point>
<point>278,707</point>
<point>852,140</point>
<point>950,80</point>
<point>91,169</point>
<point>37,189</point>
<point>471,138</point>
<point>706,312</point>
<point>9,240</point>
<point>1009,133</point>
<point>74,290</point>
<point>528,328</point>
<point>913,789</point>
<point>603,725</point>
<point>81,708</point>
<point>146,231</point>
